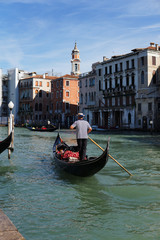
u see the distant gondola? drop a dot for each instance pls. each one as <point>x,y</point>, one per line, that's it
<point>5,143</point>
<point>84,168</point>
<point>42,129</point>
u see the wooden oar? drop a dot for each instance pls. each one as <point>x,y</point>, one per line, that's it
<point>111,157</point>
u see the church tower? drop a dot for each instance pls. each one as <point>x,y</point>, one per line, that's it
<point>75,62</point>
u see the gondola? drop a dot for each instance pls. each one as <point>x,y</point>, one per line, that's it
<point>42,129</point>
<point>5,143</point>
<point>84,168</point>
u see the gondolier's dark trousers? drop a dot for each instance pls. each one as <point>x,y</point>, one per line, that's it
<point>82,147</point>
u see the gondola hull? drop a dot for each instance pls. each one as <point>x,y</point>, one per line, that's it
<point>84,168</point>
<point>5,143</point>
<point>52,129</point>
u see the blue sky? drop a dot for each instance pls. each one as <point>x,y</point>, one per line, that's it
<point>39,35</point>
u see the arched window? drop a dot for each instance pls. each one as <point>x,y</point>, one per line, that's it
<point>129,118</point>
<point>142,77</point>
<point>36,107</point>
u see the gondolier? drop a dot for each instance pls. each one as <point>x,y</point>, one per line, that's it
<point>83,128</point>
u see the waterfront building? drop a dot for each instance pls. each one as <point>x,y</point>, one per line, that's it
<point>91,96</point>
<point>64,99</point>
<point>35,98</point>
<point>131,90</point>
<point>10,92</point>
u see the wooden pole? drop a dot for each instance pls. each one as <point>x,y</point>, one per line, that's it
<point>111,157</point>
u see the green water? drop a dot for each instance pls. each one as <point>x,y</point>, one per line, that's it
<point>46,204</point>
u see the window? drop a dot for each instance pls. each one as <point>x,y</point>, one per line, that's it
<point>57,94</point>
<point>139,122</point>
<point>127,80</point>
<point>139,107</point>
<point>40,93</point>
<point>110,69</point>
<point>142,77</point>
<point>47,94</point>
<point>86,83</point>
<point>149,106</point>
<point>85,98</point>
<point>127,64</point>
<point>153,60</point>
<point>36,83</point>
<point>67,83</point>
<point>121,67</point>
<point>40,84</point>
<point>116,82</point>
<point>57,84</point>
<point>99,85</point>
<point>67,93</point>
<point>154,77</point>
<point>142,61</point>
<point>133,79</point>
<point>36,107</point>
<point>121,81</point>
<point>132,63</point>
<point>40,107</point>
<point>81,98</point>
<point>110,83</point>
<point>116,67</point>
<point>106,70</point>
<point>76,67</point>
<point>99,72</point>
<point>129,118</point>
<point>91,82</point>
<point>47,84</point>
<point>67,106</point>
<point>36,92</point>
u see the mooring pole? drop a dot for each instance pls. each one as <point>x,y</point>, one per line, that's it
<point>10,128</point>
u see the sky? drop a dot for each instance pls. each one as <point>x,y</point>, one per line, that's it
<point>39,35</point>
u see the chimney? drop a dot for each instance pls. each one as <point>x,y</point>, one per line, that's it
<point>152,44</point>
<point>156,46</point>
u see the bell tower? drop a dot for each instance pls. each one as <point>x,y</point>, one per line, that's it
<point>75,62</point>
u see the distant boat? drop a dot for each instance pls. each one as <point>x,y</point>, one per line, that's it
<point>73,165</point>
<point>5,143</point>
<point>49,128</point>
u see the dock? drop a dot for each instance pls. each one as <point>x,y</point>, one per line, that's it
<point>7,229</point>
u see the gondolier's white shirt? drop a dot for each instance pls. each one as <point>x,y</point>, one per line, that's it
<point>82,127</point>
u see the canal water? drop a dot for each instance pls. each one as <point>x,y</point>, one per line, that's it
<point>46,204</point>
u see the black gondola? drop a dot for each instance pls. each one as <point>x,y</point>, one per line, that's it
<point>42,129</point>
<point>5,143</point>
<point>84,168</point>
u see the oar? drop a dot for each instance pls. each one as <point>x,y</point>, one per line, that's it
<point>111,157</point>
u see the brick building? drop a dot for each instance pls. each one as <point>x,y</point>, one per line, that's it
<point>64,99</point>
<point>34,98</point>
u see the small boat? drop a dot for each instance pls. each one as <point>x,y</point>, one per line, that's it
<point>5,143</point>
<point>72,165</point>
<point>42,129</point>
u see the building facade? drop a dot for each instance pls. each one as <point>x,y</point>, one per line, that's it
<point>64,99</point>
<point>131,90</point>
<point>35,99</point>
<point>91,96</point>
